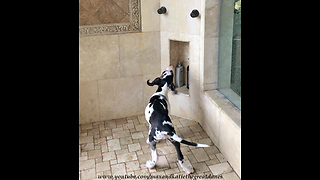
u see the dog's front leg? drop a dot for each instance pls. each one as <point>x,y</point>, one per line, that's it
<point>151,163</point>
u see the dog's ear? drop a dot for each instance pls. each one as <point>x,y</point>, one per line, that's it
<point>156,81</point>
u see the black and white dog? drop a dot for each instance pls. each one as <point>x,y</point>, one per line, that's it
<point>160,125</point>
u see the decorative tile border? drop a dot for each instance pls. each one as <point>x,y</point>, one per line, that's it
<point>133,26</point>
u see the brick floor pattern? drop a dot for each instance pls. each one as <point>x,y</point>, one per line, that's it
<point>118,147</point>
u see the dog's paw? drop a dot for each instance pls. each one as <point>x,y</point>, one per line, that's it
<point>187,167</point>
<point>147,141</point>
<point>150,164</point>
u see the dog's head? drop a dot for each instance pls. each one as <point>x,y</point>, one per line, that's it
<point>165,78</point>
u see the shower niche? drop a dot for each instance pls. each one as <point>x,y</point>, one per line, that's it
<point>179,51</point>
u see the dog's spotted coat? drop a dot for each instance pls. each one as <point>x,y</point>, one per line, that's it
<point>160,125</point>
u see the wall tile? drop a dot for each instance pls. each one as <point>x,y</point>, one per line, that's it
<point>211,119</point>
<point>211,18</point>
<point>186,106</point>
<point>230,142</point>
<point>194,62</point>
<point>89,102</point>
<point>149,17</point>
<point>210,60</point>
<point>99,57</point>
<point>139,53</point>
<point>177,19</point>
<point>120,97</point>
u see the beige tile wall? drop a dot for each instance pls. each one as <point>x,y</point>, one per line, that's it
<point>114,70</point>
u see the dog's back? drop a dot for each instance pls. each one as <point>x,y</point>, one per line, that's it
<point>160,122</point>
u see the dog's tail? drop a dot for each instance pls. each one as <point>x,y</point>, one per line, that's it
<point>179,139</point>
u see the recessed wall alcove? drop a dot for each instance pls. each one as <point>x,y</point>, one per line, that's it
<point>179,51</point>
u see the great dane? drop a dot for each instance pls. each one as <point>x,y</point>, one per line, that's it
<point>160,125</point>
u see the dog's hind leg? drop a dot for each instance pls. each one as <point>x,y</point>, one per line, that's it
<point>147,141</point>
<point>186,168</point>
<point>151,163</point>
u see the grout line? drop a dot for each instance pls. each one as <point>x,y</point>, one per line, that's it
<point>119,57</point>
<point>98,105</point>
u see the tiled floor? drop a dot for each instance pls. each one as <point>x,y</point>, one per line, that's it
<point>118,147</point>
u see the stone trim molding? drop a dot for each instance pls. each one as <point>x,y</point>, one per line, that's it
<point>133,26</point>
